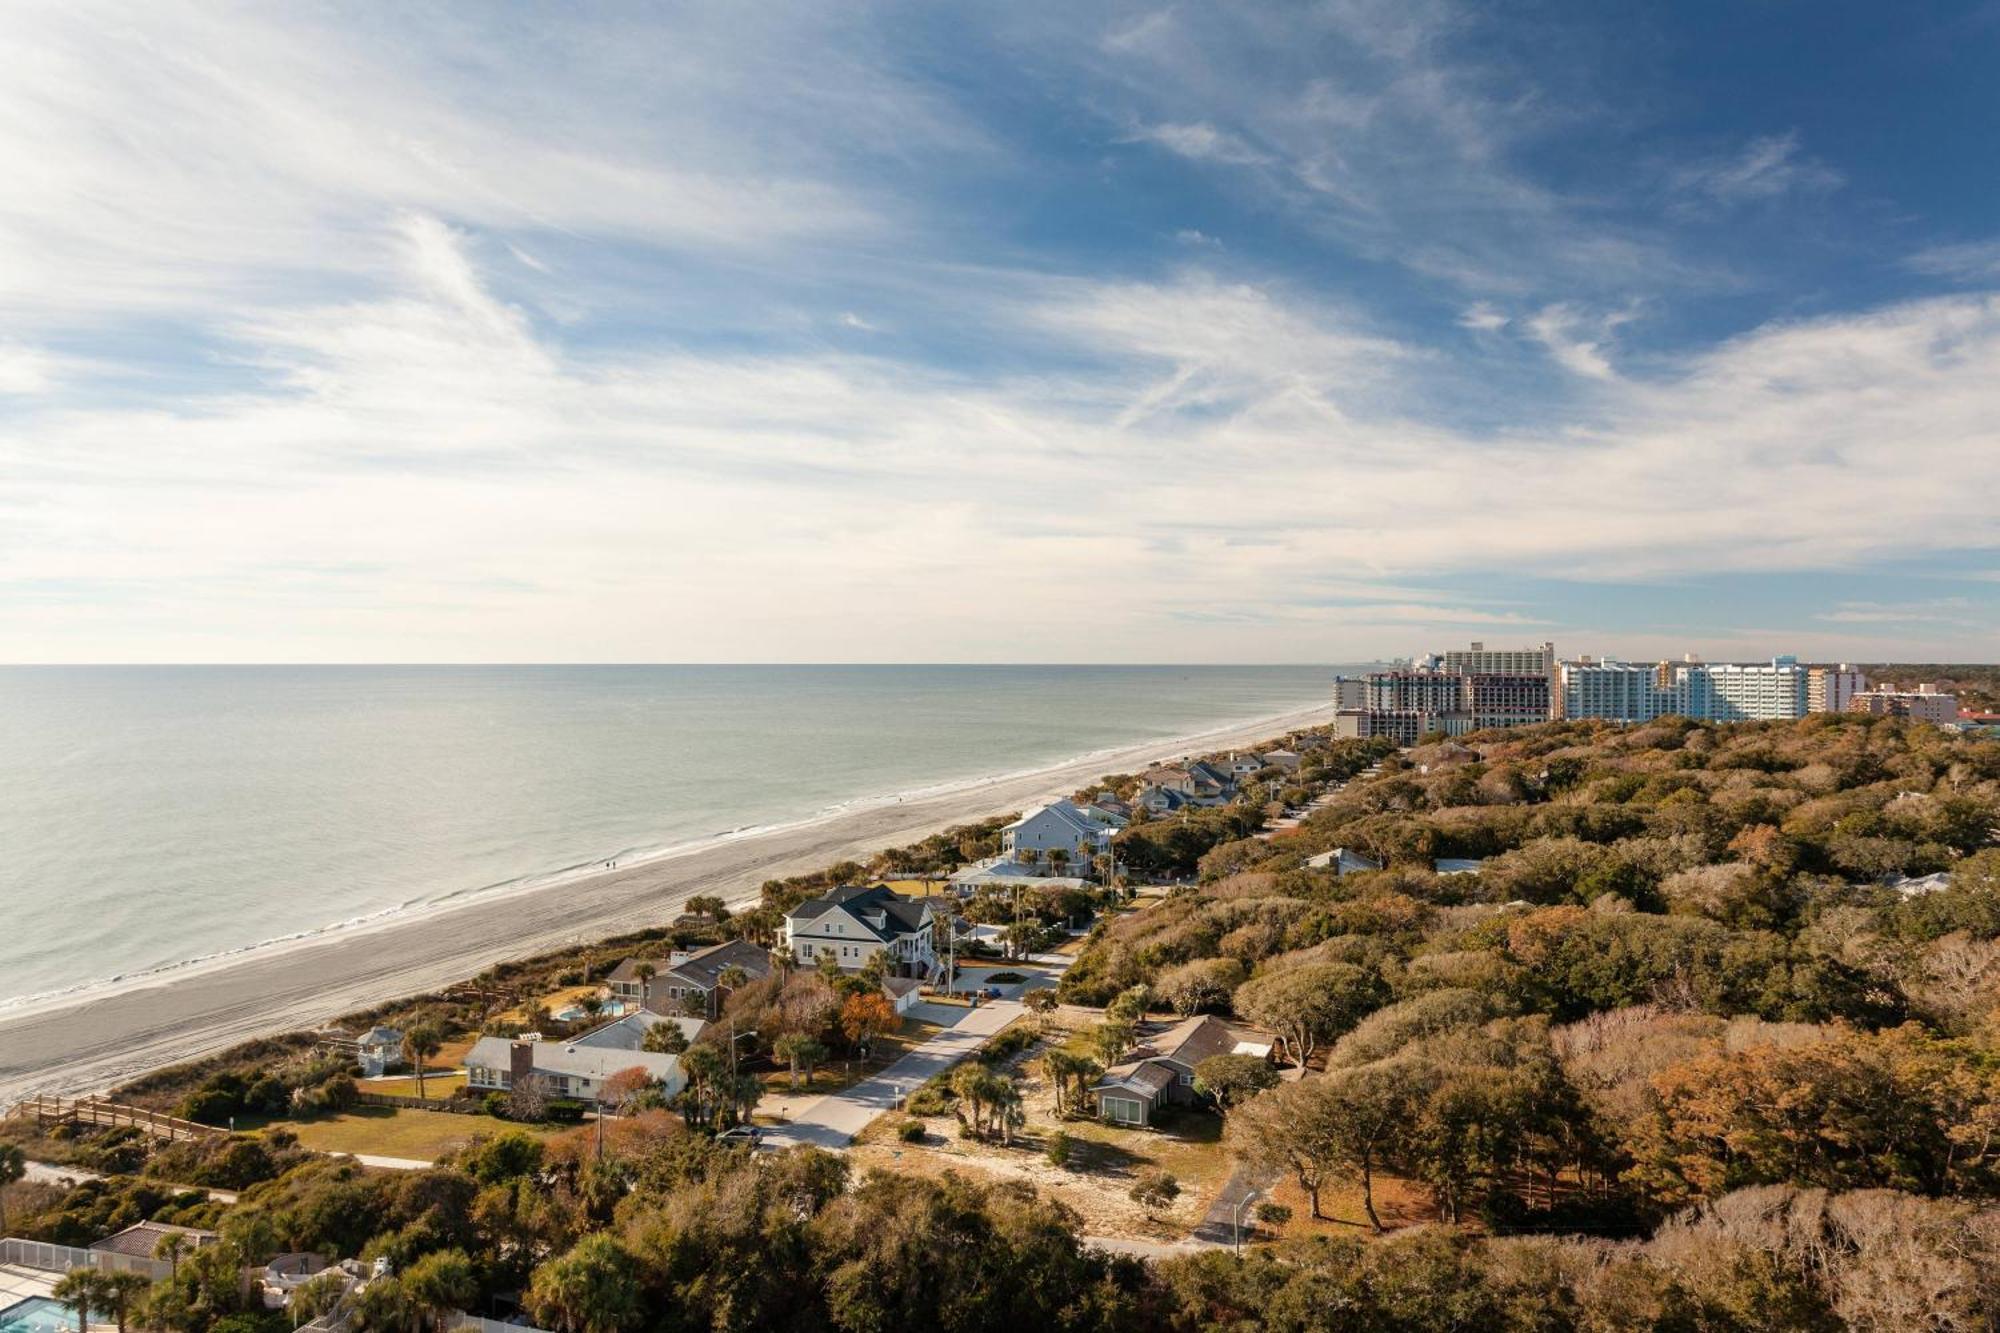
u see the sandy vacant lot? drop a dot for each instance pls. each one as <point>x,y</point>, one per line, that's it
<point>1104,1160</point>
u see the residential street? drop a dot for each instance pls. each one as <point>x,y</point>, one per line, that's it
<point>834,1120</point>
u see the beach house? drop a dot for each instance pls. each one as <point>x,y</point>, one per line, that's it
<point>853,924</point>
<point>577,1069</point>
<point>686,981</point>
<point>1159,1070</point>
<point>1061,834</point>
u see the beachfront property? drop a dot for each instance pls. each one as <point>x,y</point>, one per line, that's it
<point>378,1050</point>
<point>1926,703</point>
<point>1159,1070</point>
<point>1195,783</point>
<point>579,1067</point>
<point>686,981</point>
<point>1060,834</point>
<point>142,1240</point>
<point>1158,800</point>
<point>1000,872</point>
<point>853,924</point>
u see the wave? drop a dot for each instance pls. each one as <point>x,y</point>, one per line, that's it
<point>630,858</point>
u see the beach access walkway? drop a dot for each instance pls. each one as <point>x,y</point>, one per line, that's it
<point>834,1120</point>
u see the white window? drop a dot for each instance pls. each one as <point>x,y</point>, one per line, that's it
<point>1124,1110</point>
<point>1187,1079</point>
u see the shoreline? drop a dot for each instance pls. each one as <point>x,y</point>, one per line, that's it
<point>106,1032</point>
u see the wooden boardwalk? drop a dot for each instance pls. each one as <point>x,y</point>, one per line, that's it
<point>97,1111</point>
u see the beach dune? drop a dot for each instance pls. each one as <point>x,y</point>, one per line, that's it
<point>91,1040</point>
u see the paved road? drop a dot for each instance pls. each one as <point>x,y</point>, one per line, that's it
<point>1218,1225</point>
<point>834,1120</point>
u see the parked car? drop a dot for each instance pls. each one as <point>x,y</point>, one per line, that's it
<point>749,1134</point>
<point>991,992</point>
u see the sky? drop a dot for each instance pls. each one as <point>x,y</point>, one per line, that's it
<point>1244,332</point>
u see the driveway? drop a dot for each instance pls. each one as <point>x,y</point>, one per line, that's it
<point>834,1120</point>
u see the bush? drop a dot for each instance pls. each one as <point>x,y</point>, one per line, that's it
<point>928,1100</point>
<point>1058,1150</point>
<point>564,1110</point>
<point>495,1105</point>
<point>911,1131</point>
<point>1273,1215</point>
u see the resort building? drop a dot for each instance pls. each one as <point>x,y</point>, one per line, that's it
<point>1736,692</point>
<point>853,924</point>
<point>1828,688</point>
<point>1925,703</point>
<point>1614,691</point>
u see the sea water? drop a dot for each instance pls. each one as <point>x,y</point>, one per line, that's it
<point>151,816</point>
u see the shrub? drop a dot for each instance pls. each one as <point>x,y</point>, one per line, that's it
<point>495,1105</point>
<point>1273,1215</point>
<point>911,1131</point>
<point>1058,1149</point>
<point>564,1110</point>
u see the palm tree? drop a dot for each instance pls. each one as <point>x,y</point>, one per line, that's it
<point>82,1290</point>
<point>170,1248</point>
<point>439,1283</point>
<point>120,1290</point>
<point>645,972</point>
<point>798,1048</point>
<point>13,1166</point>
<point>420,1043</point>
<point>594,1288</point>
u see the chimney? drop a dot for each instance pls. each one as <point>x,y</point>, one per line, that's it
<point>520,1063</point>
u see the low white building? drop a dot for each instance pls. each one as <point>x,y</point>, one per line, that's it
<point>563,1068</point>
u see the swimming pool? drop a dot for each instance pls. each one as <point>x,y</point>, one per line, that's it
<point>38,1314</point>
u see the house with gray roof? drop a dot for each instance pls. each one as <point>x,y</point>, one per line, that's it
<point>853,924</point>
<point>562,1068</point>
<point>1061,833</point>
<point>1159,1070</point>
<point>686,981</point>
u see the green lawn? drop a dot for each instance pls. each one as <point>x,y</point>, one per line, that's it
<point>382,1131</point>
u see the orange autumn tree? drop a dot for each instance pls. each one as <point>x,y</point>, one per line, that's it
<point>865,1017</point>
<point>1859,1110</point>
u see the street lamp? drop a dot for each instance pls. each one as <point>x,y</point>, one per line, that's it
<point>734,1037</point>
<point>1236,1218</point>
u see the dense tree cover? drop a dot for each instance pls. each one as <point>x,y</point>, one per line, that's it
<point>1685,964</point>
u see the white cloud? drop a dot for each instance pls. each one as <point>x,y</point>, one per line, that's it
<point>431,477</point>
<point>1482,317</point>
<point>24,370</point>
<point>1763,169</point>
<point>1577,341</point>
<point>1201,142</point>
<point>1971,261</point>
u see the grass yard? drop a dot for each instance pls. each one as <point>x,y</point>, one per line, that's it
<point>840,1073</point>
<point>382,1131</point>
<point>437,1083</point>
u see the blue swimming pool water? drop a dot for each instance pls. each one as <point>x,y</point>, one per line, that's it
<point>38,1314</point>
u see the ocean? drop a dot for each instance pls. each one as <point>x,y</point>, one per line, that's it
<point>153,816</point>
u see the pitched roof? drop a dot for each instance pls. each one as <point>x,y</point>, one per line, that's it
<point>705,968</point>
<point>629,1033</point>
<point>1188,1042</point>
<point>141,1239</point>
<point>629,969</point>
<point>884,912</point>
<point>573,1059</point>
<point>1147,1075</point>
<point>1089,820</point>
<point>380,1036</point>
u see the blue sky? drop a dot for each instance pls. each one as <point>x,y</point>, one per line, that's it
<point>1140,332</point>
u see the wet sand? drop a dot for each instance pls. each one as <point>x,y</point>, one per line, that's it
<point>88,1042</point>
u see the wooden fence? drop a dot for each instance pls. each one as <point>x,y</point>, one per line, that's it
<point>109,1115</point>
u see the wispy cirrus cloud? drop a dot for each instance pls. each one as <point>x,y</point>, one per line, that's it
<point>1766,168</point>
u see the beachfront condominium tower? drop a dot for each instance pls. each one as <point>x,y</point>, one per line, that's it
<point>1828,688</point>
<point>1617,691</point>
<point>1479,660</point>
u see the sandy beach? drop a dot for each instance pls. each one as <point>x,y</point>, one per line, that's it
<point>89,1041</point>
